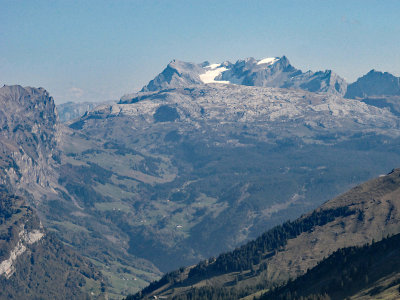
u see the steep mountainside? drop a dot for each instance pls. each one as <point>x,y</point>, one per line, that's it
<point>34,264</point>
<point>179,175</point>
<point>28,147</point>
<point>365,213</point>
<point>366,272</point>
<point>267,72</point>
<point>176,74</point>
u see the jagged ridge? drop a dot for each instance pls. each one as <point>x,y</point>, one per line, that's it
<point>269,72</point>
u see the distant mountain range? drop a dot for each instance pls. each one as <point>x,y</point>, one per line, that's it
<point>268,72</point>
<point>375,88</point>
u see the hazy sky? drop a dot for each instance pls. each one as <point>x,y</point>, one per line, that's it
<point>100,50</point>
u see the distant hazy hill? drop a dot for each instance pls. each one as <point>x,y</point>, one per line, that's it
<point>72,110</point>
<point>367,212</point>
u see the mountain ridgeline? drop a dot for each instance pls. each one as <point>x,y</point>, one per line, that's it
<point>374,84</point>
<point>269,72</point>
<point>365,213</point>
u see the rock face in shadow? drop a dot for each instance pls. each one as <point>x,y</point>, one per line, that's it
<point>374,84</point>
<point>377,89</point>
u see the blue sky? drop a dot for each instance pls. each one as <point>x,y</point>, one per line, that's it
<point>100,50</point>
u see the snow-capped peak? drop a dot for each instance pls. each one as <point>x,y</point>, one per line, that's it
<point>268,60</point>
<point>212,71</point>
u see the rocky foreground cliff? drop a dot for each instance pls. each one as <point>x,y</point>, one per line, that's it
<point>28,135</point>
<point>33,262</point>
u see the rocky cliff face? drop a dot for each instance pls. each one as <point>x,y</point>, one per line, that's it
<point>28,122</point>
<point>34,264</point>
<point>25,231</point>
<point>30,162</point>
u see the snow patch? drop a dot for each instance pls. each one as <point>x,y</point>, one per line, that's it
<point>268,60</point>
<point>213,71</point>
